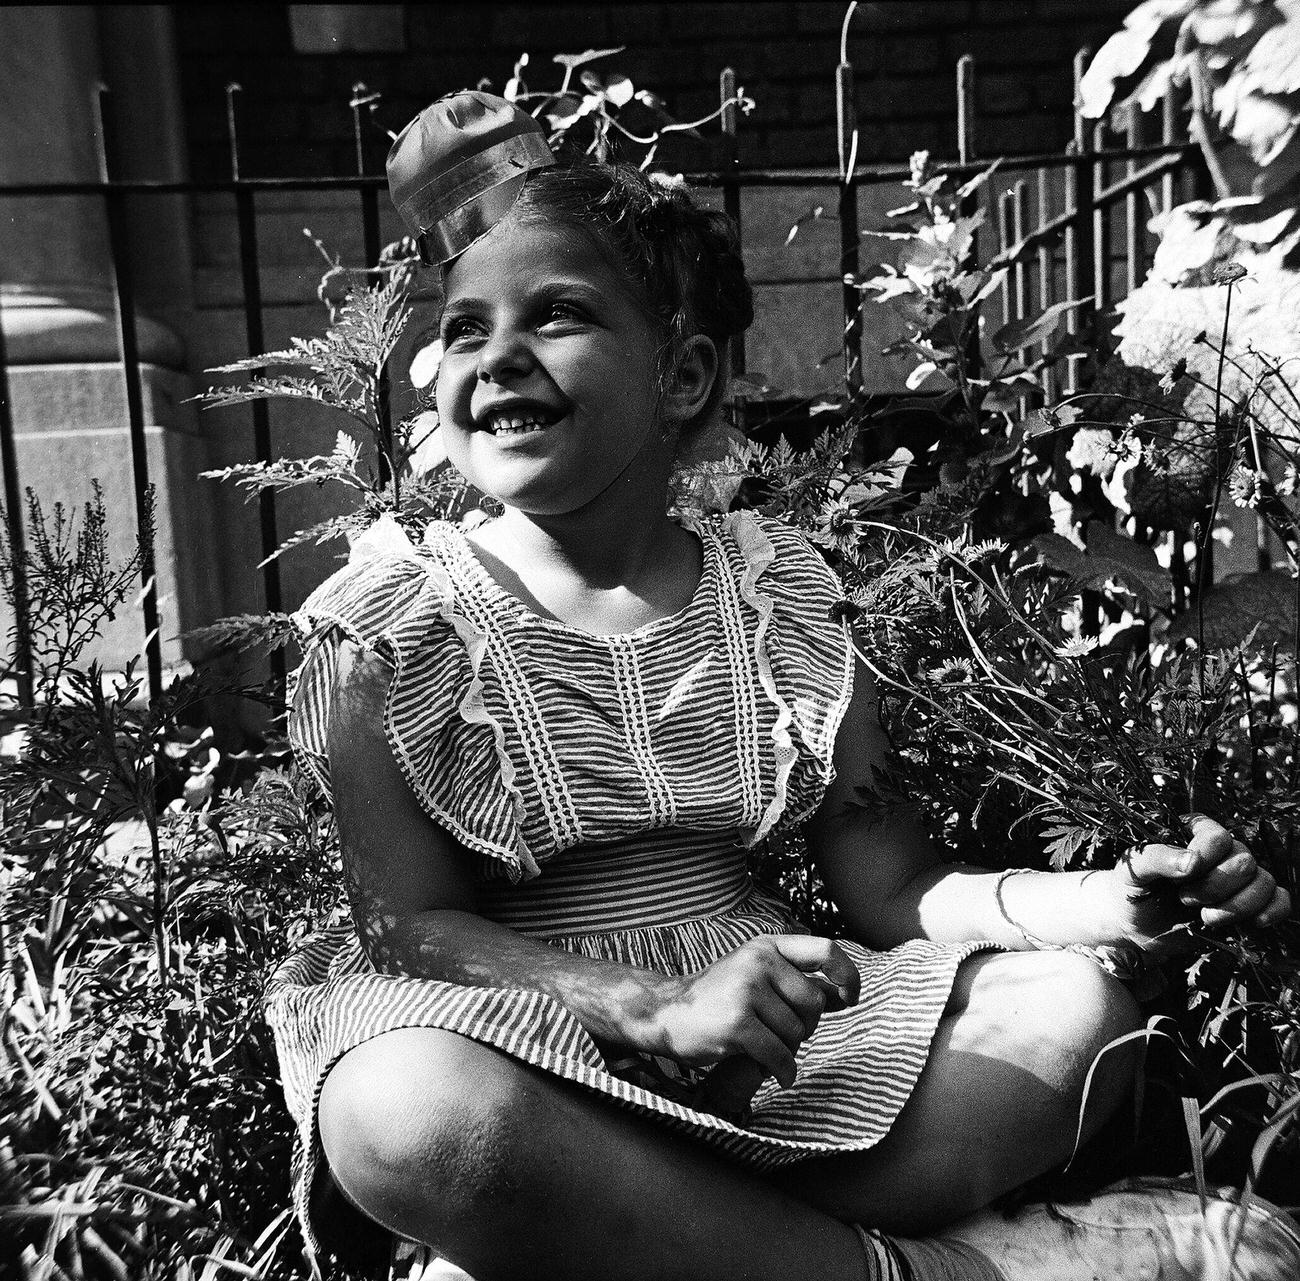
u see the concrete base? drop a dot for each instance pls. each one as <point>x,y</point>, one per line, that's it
<point>70,425</point>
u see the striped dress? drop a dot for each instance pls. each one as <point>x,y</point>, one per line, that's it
<point>612,786</point>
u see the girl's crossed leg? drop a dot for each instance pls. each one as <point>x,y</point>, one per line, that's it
<point>515,1174</point>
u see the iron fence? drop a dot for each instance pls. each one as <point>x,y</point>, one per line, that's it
<point>1074,236</point>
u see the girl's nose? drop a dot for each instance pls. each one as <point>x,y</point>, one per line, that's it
<point>504,355</point>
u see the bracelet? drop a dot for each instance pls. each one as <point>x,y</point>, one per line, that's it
<point>1122,961</point>
<point>1038,944</point>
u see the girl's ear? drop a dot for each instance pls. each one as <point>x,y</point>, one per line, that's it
<point>694,373</point>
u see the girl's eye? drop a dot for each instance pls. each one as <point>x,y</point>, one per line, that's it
<point>457,328</point>
<point>563,313</point>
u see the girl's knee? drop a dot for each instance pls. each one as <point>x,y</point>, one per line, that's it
<point>414,1125</point>
<point>1057,1010</point>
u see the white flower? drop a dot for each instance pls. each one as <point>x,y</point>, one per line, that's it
<point>1077,647</point>
<point>1094,449</point>
<point>424,364</point>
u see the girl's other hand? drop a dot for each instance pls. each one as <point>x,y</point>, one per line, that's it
<point>762,1000</point>
<point>1215,874</point>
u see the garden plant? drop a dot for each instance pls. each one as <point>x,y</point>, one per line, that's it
<point>1029,583</point>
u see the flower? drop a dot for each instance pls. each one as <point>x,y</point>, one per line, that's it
<point>953,671</point>
<point>1076,647</point>
<point>1227,272</point>
<point>424,364</point>
<point>1175,374</point>
<point>1243,486</point>
<point>1095,450</point>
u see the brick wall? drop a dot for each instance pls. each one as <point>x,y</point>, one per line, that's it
<point>295,118</point>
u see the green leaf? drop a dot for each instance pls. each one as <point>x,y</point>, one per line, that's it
<point>1064,843</point>
<point>1264,604</point>
<point>1109,556</point>
<point>1034,329</point>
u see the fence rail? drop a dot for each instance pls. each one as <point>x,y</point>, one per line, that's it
<point>1049,250</point>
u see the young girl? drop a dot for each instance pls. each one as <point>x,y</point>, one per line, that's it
<point>550,743</point>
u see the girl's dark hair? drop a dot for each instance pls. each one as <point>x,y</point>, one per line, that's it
<point>685,258</point>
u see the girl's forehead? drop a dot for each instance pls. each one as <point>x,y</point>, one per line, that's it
<point>523,252</point>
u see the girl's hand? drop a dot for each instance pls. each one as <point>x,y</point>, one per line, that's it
<point>1215,878</point>
<point>762,1000</point>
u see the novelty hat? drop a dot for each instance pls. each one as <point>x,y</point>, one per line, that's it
<point>456,170</point>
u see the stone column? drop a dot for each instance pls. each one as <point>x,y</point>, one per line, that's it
<point>66,381</point>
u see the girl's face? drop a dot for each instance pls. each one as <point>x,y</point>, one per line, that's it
<point>547,391</point>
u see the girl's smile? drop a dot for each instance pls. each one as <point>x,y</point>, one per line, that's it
<point>548,389</point>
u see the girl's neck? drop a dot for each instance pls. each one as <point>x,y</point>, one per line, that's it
<point>601,556</point>
<point>600,576</point>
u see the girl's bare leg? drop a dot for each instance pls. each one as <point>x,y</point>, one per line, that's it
<point>514,1174</point>
<point>998,1102</point>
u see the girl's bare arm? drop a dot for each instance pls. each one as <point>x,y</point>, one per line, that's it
<point>892,885</point>
<point>412,889</point>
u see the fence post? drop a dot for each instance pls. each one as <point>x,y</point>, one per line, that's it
<point>1046,279</point>
<point>1134,256</point>
<point>23,669</point>
<point>124,292</point>
<point>1078,231</point>
<point>1168,118</point>
<point>249,262</point>
<point>969,205</point>
<point>730,187</point>
<point>362,97</point>
<point>1101,290</point>
<point>847,121</point>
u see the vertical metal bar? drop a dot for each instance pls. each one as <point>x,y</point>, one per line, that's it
<point>370,237</point>
<point>969,206</point>
<point>1071,250</point>
<point>249,263</point>
<point>232,127</point>
<point>1134,259</point>
<point>1080,236</point>
<point>966,108</point>
<point>1100,228</point>
<point>730,187</point>
<point>1006,238</point>
<point>1168,120</point>
<point>124,289</point>
<point>362,98</point>
<point>246,215</point>
<point>1168,129</point>
<point>1046,278</point>
<point>847,119</point>
<point>1078,231</point>
<point>23,666</point>
<point>1019,226</point>
<point>359,95</point>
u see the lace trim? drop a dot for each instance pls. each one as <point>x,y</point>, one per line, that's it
<point>757,549</point>
<point>473,711</point>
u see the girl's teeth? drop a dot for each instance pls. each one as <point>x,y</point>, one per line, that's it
<point>516,427</point>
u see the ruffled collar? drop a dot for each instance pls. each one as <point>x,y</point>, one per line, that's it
<point>470,573</point>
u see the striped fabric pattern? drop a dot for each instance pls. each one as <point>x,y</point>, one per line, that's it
<point>613,785</point>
